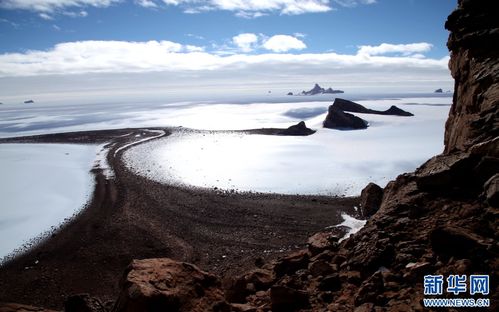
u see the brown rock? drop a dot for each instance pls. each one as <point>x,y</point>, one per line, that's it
<point>83,303</point>
<point>370,200</point>
<point>239,307</point>
<point>14,307</point>
<point>320,267</point>
<point>292,263</point>
<point>455,241</point>
<point>352,277</point>
<point>370,289</point>
<point>322,241</point>
<point>492,191</point>
<point>366,307</point>
<point>330,283</point>
<point>237,290</point>
<point>163,284</point>
<point>474,43</point>
<point>288,299</point>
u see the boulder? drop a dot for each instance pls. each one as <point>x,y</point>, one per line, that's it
<point>320,268</point>
<point>164,284</point>
<point>292,263</point>
<point>298,129</point>
<point>337,119</point>
<point>439,91</point>
<point>370,200</point>
<point>330,282</point>
<point>321,241</point>
<point>290,93</point>
<point>286,299</point>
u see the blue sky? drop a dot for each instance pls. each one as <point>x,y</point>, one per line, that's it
<point>212,38</point>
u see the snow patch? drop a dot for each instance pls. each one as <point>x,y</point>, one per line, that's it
<point>353,225</point>
<point>101,161</point>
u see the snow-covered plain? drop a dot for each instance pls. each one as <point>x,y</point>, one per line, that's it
<point>40,186</point>
<point>331,162</point>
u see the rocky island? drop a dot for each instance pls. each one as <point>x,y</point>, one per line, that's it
<point>319,90</point>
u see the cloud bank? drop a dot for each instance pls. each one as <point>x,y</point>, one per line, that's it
<point>121,71</point>
<point>153,56</point>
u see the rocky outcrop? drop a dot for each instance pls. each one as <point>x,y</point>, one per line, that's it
<point>319,90</point>
<point>338,119</point>
<point>349,106</point>
<point>298,129</point>
<point>438,91</point>
<point>474,45</point>
<point>370,200</point>
<point>168,285</point>
<point>29,102</point>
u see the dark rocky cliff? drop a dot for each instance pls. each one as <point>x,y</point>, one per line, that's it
<point>474,46</point>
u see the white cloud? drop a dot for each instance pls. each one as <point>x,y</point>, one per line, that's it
<point>254,8</point>
<point>245,42</point>
<point>81,13</point>
<point>146,3</point>
<point>404,49</point>
<point>46,16</point>
<point>52,5</point>
<point>354,3</point>
<point>283,43</point>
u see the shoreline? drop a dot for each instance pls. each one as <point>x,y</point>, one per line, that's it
<point>131,217</point>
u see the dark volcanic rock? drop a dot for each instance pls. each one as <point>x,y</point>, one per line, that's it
<point>168,285</point>
<point>290,93</point>
<point>349,106</point>
<point>370,200</point>
<point>395,111</point>
<point>83,303</point>
<point>474,43</point>
<point>439,91</point>
<point>29,102</point>
<point>298,129</point>
<point>337,119</point>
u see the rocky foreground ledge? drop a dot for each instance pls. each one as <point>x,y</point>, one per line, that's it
<point>441,219</point>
